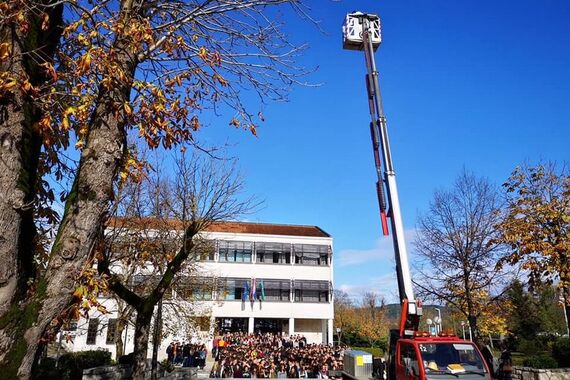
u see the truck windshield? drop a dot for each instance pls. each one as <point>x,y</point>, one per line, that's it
<point>456,359</point>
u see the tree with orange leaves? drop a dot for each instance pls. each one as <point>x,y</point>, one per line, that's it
<point>537,225</point>
<point>77,78</point>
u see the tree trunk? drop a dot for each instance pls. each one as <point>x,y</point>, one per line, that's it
<point>119,343</point>
<point>86,210</point>
<point>20,146</point>
<point>142,331</point>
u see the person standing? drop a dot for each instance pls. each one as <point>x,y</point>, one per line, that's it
<point>506,364</point>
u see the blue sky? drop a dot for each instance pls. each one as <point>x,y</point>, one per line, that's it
<point>477,84</point>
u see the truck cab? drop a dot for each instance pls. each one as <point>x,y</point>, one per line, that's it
<point>438,358</point>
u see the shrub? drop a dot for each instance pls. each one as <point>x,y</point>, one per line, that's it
<point>541,361</point>
<point>561,352</point>
<point>530,347</point>
<point>71,365</point>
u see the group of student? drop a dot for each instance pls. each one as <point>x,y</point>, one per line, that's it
<point>270,355</point>
<point>186,354</point>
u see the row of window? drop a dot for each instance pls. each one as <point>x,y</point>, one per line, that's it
<point>269,253</point>
<point>230,289</point>
<point>276,290</point>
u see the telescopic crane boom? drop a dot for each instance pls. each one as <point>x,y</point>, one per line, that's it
<point>363,32</point>
<point>412,354</point>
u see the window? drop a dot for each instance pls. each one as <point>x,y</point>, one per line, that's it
<point>235,251</point>
<point>233,289</point>
<point>194,288</point>
<point>306,254</point>
<point>275,290</point>
<point>111,331</point>
<point>208,250</point>
<point>273,253</point>
<point>92,331</point>
<point>312,291</point>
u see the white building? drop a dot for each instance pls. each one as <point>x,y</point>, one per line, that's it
<point>290,266</point>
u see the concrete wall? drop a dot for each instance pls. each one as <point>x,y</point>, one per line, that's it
<point>526,373</point>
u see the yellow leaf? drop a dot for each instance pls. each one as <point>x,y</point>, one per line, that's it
<point>202,52</point>
<point>128,109</point>
<point>5,50</point>
<point>45,21</point>
<point>79,144</point>
<point>80,291</point>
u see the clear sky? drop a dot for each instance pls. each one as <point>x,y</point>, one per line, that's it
<point>479,84</point>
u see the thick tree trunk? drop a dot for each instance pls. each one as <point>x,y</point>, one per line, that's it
<point>20,146</point>
<point>86,209</point>
<point>142,333</point>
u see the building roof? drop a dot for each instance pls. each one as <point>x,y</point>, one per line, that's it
<point>230,227</point>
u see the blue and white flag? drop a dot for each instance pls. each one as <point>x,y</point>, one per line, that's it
<point>245,293</point>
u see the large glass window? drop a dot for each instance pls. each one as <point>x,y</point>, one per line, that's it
<point>310,254</point>
<point>92,331</point>
<point>312,291</point>
<point>194,288</point>
<point>235,251</point>
<point>234,289</point>
<point>273,253</point>
<point>274,290</point>
<point>454,358</point>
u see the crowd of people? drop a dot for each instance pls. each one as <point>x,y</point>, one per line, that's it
<point>243,355</point>
<point>187,355</point>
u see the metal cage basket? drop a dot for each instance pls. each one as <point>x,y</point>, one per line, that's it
<point>353,27</point>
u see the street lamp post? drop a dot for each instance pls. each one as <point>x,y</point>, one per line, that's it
<point>463,328</point>
<point>439,321</point>
<point>563,301</point>
<point>338,330</point>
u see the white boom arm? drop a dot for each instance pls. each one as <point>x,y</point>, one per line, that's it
<point>362,32</point>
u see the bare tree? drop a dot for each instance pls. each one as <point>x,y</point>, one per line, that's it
<point>456,247</point>
<point>164,240</point>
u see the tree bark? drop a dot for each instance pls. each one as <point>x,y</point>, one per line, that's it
<point>142,331</point>
<point>86,208</point>
<point>20,147</point>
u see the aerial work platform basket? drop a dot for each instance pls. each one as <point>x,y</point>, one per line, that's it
<point>353,26</point>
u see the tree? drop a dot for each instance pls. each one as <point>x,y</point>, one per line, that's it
<point>344,313</point>
<point>372,324</point>
<point>537,225</point>
<point>457,250</point>
<point>164,240</point>
<point>113,68</point>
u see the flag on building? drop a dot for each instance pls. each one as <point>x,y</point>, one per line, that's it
<point>253,289</point>
<point>245,293</point>
<point>262,288</point>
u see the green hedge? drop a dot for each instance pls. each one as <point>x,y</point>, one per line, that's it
<point>71,365</point>
<point>542,361</point>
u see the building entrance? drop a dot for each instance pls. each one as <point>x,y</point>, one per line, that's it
<point>265,325</point>
<point>232,324</point>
